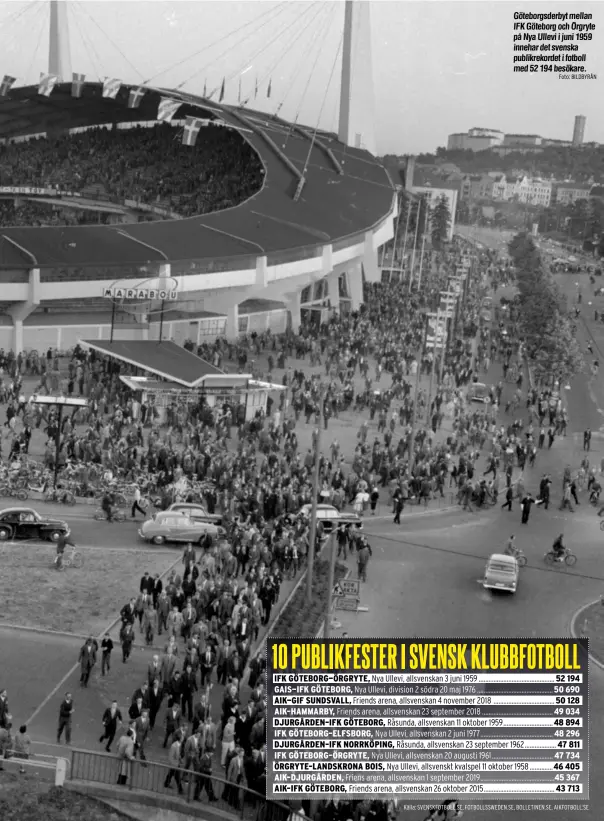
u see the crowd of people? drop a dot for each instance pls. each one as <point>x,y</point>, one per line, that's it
<point>146,164</point>
<point>255,474</point>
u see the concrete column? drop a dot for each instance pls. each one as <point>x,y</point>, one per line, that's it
<point>261,272</point>
<point>292,303</point>
<point>334,290</point>
<point>355,286</point>
<point>370,259</point>
<point>21,310</point>
<point>232,322</point>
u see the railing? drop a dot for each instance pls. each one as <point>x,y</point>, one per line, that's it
<point>150,776</point>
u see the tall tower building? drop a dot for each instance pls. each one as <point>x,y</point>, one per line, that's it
<point>356,126</point>
<point>579,130</point>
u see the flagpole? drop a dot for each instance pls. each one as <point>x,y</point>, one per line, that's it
<point>414,244</point>
<point>436,342</point>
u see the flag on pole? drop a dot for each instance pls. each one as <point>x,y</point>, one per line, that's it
<point>205,89</point>
<point>221,98</point>
<point>239,94</point>
<point>47,83</point>
<point>5,85</point>
<point>191,130</point>
<point>77,84</point>
<point>167,109</point>
<point>270,87</point>
<point>256,88</point>
<point>111,88</point>
<point>135,97</point>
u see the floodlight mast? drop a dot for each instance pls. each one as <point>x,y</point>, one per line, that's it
<point>59,54</point>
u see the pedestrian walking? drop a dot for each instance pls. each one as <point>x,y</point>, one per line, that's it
<point>174,762</point>
<point>526,504</point>
<point>66,711</point>
<point>399,506</point>
<point>87,660</point>
<point>363,559</point>
<point>22,746</point>
<point>106,649</point>
<point>125,753</point>
<point>111,718</point>
<point>126,640</point>
<point>136,504</point>
<point>509,498</point>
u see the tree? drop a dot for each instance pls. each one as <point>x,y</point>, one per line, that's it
<point>545,326</point>
<point>440,220</point>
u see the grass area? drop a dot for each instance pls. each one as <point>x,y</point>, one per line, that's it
<point>82,601</point>
<point>24,799</point>
<point>299,619</point>
<point>590,625</point>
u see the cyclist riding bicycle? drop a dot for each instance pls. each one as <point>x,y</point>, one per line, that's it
<point>511,548</point>
<point>64,540</point>
<point>559,548</point>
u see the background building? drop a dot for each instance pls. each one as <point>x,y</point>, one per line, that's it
<point>476,139</point>
<point>579,129</point>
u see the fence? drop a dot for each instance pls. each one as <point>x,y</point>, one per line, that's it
<point>150,776</point>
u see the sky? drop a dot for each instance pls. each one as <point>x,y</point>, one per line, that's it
<point>438,67</point>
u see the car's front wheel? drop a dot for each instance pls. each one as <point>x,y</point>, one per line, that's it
<point>5,534</point>
<point>54,535</point>
<point>159,539</point>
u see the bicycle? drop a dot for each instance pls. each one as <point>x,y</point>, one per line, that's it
<point>59,495</point>
<point>519,556</point>
<point>567,558</point>
<point>71,558</point>
<point>101,516</point>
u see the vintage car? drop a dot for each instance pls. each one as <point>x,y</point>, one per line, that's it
<point>331,517</point>
<point>176,527</point>
<point>501,573</point>
<point>26,523</point>
<point>479,392</point>
<point>196,512</point>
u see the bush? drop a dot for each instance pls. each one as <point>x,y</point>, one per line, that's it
<point>299,619</point>
<point>25,802</point>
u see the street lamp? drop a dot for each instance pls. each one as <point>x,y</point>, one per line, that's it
<point>59,402</point>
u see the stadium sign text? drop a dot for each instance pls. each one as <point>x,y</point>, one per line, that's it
<point>152,294</point>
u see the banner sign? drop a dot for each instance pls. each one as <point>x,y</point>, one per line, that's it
<point>437,331</point>
<point>144,294</point>
<point>37,192</point>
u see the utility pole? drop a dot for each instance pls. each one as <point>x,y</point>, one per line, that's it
<point>414,245</point>
<point>421,258</point>
<point>436,343</point>
<point>315,499</point>
<point>406,232</point>
<point>416,402</point>
<point>330,586</point>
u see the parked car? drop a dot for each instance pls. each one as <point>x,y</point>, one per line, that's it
<point>196,512</point>
<point>479,392</point>
<point>331,517</point>
<point>176,527</point>
<point>26,523</point>
<point>501,573</point>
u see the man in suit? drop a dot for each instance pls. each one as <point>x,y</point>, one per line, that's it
<point>87,660</point>
<point>141,692</point>
<point>106,648</point>
<point>193,751</point>
<point>154,671</point>
<point>163,611</point>
<point>204,777</point>
<point>209,732</point>
<point>207,664</point>
<point>188,687</point>
<point>111,718</point>
<point>168,666</point>
<point>128,612</point>
<point>66,710</point>
<point>142,727</point>
<point>136,709</point>
<point>174,762</point>
<point>155,699</point>
<point>146,585</point>
<point>188,620</point>
<point>4,711</point>
<point>156,589</point>
<point>234,779</point>
<point>173,717</point>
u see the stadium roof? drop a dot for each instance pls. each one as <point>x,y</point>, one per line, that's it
<point>164,359</point>
<point>333,205</point>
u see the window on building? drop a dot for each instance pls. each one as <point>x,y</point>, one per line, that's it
<point>306,295</point>
<point>244,321</point>
<point>343,291</point>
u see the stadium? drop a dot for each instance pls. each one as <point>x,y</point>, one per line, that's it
<point>113,189</point>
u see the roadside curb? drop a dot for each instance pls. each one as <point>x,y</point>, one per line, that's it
<point>4,625</point>
<point>576,634</point>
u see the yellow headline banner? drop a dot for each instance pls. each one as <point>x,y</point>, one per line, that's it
<point>432,656</point>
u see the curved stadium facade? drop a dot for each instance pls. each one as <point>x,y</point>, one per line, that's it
<point>293,245</point>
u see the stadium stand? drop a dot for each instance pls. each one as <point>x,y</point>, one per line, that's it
<point>145,164</point>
